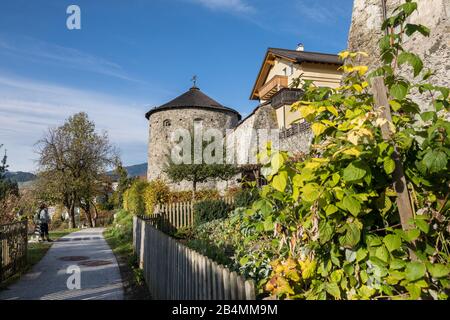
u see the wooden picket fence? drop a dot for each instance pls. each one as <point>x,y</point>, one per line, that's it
<point>170,217</point>
<point>174,272</point>
<point>13,248</point>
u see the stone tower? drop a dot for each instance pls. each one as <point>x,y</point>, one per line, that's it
<point>365,31</point>
<point>182,112</point>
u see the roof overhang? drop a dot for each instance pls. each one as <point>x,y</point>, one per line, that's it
<point>269,60</point>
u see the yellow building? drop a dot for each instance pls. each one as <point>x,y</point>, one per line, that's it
<point>280,70</point>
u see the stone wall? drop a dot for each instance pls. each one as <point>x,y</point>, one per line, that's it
<point>159,146</point>
<point>365,32</point>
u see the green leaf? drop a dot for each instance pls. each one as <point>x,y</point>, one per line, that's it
<point>413,60</point>
<point>311,192</point>
<point>409,7</point>
<point>429,115</point>
<point>411,235</point>
<point>423,225</point>
<point>397,264</point>
<point>366,292</point>
<point>325,232</point>
<point>277,162</point>
<point>389,165</point>
<point>354,171</point>
<point>399,90</point>
<point>438,270</point>
<point>351,237</point>
<point>330,209</point>
<point>435,161</point>
<point>333,289</point>
<point>415,270</point>
<point>414,291</point>
<point>279,182</point>
<point>268,224</point>
<point>392,242</point>
<point>361,254</point>
<point>352,205</point>
<point>383,254</point>
<point>412,28</point>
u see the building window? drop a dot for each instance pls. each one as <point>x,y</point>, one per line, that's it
<point>166,123</point>
<point>198,121</point>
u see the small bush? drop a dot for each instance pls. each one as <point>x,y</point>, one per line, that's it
<point>156,192</point>
<point>133,198</point>
<point>185,196</point>
<point>209,210</point>
<point>245,197</point>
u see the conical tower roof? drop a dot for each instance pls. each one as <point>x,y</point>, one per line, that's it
<point>193,98</point>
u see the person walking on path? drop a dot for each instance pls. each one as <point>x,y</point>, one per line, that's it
<point>44,220</point>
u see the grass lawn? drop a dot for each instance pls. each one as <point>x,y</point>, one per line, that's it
<point>36,251</point>
<point>120,238</point>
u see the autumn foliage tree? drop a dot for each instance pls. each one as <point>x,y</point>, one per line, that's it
<point>73,159</point>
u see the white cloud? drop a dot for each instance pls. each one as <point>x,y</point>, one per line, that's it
<point>237,6</point>
<point>28,108</point>
<point>320,12</point>
<point>45,52</point>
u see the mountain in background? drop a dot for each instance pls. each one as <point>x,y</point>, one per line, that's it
<point>24,178</point>
<point>20,176</point>
<point>133,171</point>
<point>137,170</point>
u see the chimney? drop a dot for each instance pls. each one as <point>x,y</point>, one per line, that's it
<point>300,47</point>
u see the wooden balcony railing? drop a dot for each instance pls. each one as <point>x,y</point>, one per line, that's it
<point>273,86</point>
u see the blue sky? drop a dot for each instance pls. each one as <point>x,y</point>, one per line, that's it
<point>131,55</point>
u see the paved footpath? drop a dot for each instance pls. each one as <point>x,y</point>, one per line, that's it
<point>48,280</point>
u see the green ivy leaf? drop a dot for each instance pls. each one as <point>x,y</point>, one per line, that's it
<point>414,291</point>
<point>277,162</point>
<point>415,270</point>
<point>354,171</point>
<point>366,292</point>
<point>311,192</point>
<point>383,254</point>
<point>429,115</point>
<point>399,90</point>
<point>333,289</point>
<point>413,60</point>
<point>423,225</point>
<point>411,235</point>
<point>361,254</point>
<point>325,232</point>
<point>412,28</point>
<point>351,237</point>
<point>389,165</point>
<point>438,270</point>
<point>435,161</point>
<point>352,205</point>
<point>279,182</point>
<point>330,209</point>
<point>392,242</point>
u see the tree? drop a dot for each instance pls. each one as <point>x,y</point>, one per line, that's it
<point>124,182</point>
<point>73,159</point>
<point>6,185</point>
<point>199,173</point>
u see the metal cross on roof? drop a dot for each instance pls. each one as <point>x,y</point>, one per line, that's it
<point>194,81</point>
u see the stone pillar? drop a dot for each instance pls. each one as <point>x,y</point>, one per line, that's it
<point>365,32</point>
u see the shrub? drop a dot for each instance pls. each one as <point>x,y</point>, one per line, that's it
<point>185,196</point>
<point>245,197</point>
<point>156,192</point>
<point>208,210</point>
<point>133,198</point>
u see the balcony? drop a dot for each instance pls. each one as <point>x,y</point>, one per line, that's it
<point>286,96</point>
<point>272,86</point>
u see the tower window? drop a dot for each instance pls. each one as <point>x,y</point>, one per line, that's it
<point>166,123</point>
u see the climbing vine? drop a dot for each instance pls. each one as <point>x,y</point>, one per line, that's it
<point>332,218</point>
